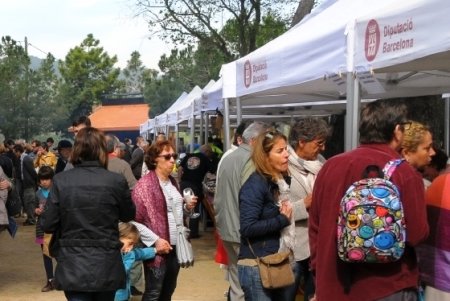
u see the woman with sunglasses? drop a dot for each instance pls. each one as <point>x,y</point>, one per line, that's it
<point>264,213</point>
<point>156,196</point>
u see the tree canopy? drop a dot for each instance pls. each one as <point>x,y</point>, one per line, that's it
<point>190,21</point>
<point>88,73</point>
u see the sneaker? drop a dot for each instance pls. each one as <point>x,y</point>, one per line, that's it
<point>135,291</point>
<point>48,287</point>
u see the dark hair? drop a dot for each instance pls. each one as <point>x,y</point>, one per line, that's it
<point>379,119</point>
<point>439,160</point>
<point>89,145</point>
<point>308,129</point>
<point>152,152</point>
<point>261,149</point>
<point>82,120</point>
<point>50,139</point>
<point>45,173</point>
<point>44,146</point>
<point>36,142</point>
<point>18,148</point>
<point>239,131</point>
<point>9,142</point>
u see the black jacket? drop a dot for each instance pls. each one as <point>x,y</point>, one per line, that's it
<point>260,219</point>
<point>84,208</point>
<point>29,173</point>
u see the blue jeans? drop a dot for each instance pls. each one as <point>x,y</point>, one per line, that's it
<point>160,282</point>
<point>301,270</point>
<point>90,296</point>
<point>252,286</point>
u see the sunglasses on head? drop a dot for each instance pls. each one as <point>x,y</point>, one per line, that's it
<point>168,156</point>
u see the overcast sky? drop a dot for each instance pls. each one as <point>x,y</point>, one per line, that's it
<point>56,26</point>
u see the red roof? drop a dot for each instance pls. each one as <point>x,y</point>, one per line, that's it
<point>120,117</point>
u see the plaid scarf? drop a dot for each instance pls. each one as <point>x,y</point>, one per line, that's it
<point>151,210</point>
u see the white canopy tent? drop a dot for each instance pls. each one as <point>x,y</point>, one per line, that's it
<point>312,61</point>
<point>304,65</point>
<point>394,52</point>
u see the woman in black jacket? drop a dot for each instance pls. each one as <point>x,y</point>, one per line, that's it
<point>86,204</point>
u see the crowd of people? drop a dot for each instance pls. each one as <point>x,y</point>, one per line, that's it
<point>100,203</point>
<point>252,217</point>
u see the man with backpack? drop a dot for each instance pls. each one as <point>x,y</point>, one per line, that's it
<point>368,267</point>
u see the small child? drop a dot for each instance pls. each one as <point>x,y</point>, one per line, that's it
<point>129,236</point>
<point>45,178</point>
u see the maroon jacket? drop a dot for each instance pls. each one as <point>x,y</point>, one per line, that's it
<point>367,281</point>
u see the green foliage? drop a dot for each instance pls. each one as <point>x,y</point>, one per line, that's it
<point>27,97</point>
<point>88,73</point>
<point>134,75</point>
<point>13,78</point>
<point>270,28</point>
<point>190,21</point>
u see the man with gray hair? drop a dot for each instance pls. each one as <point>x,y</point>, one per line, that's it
<point>115,163</point>
<point>233,172</point>
<point>307,140</point>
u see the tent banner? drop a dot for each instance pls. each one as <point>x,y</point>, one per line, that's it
<point>408,30</point>
<point>254,74</point>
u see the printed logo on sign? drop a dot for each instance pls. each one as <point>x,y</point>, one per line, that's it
<point>372,42</point>
<point>247,74</point>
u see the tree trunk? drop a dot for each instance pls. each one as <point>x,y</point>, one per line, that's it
<point>304,8</point>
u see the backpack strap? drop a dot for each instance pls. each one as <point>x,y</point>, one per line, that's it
<point>390,167</point>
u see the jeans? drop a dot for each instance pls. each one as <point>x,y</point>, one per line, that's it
<point>90,296</point>
<point>410,294</point>
<point>252,286</point>
<point>301,270</point>
<point>160,282</point>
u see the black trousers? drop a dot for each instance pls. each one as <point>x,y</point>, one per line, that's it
<point>160,282</point>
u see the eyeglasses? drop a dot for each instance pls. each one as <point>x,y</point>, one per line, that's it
<point>168,156</point>
<point>319,143</point>
<point>406,125</point>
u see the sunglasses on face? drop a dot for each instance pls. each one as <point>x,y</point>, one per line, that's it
<point>168,156</point>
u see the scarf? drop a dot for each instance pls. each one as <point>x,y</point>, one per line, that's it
<point>148,197</point>
<point>308,169</point>
<point>287,239</point>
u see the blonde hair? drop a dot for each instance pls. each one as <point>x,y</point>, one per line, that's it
<point>261,149</point>
<point>128,230</point>
<point>413,136</point>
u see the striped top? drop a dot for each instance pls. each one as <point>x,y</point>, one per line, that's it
<point>173,198</point>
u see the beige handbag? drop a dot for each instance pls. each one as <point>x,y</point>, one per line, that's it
<point>275,270</point>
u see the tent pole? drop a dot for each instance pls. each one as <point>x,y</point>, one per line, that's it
<point>206,127</point>
<point>238,110</point>
<point>447,123</point>
<point>201,128</point>
<point>193,128</point>
<point>352,112</point>
<point>192,133</point>
<point>177,144</point>
<point>226,124</point>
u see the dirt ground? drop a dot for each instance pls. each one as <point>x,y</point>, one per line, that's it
<point>22,272</point>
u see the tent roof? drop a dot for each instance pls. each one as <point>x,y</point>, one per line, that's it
<point>119,118</point>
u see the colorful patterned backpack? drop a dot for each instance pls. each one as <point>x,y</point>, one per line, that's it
<point>371,224</point>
